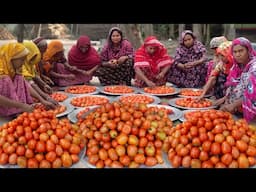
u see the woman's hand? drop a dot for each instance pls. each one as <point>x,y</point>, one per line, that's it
<point>113,63</point>
<point>219,101</point>
<point>47,89</point>
<point>51,100</point>
<point>27,108</point>
<point>71,76</point>
<point>229,108</point>
<point>150,84</point>
<point>48,80</point>
<point>122,59</point>
<point>160,75</point>
<point>48,104</point>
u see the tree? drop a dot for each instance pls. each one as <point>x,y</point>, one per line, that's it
<point>181,28</point>
<point>171,31</point>
<point>148,30</point>
<point>229,31</point>
<point>197,30</point>
<point>20,35</point>
<point>133,34</point>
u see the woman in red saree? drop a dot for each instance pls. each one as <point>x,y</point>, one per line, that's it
<point>84,57</point>
<point>57,68</point>
<point>152,63</point>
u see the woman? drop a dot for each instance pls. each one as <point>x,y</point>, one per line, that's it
<point>56,66</point>
<point>84,57</point>
<point>241,92</point>
<point>30,74</point>
<point>214,44</point>
<point>189,68</point>
<point>219,74</point>
<point>117,60</point>
<point>15,92</point>
<point>151,63</point>
<point>41,43</point>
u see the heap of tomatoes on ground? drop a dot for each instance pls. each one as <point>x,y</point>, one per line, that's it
<point>159,90</point>
<point>83,89</point>
<point>193,103</point>
<point>125,135</point>
<point>211,139</point>
<point>40,140</point>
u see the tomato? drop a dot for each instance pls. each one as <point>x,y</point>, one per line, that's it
<point>21,161</point>
<point>65,144</point>
<point>243,161</point>
<point>230,140</point>
<point>233,164</point>
<point>203,156</point>
<point>66,159</point>
<point>132,150</point>
<point>194,153</point>
<point>40,146</point>
<point>29,153</point>
<point>74,149</point>
<point>251,151</point>
<point>241,145</point>
<point>116,164</point>
<point>140,158</point>
<point>20,150</point>
<point>4,158</point>
<point>120,150</point>
<point>215,148</point>
<point>207,164</point>
<point>112,154</point>
<point>125,160</point>
<point>226,159</point>
<point>32,163</point>
<point>122,139</point>
<point>57,163</point>
<point>150,161</point>
<point>195,163</point>
<point>235,152</point>
<point>186,161</point>
<point>206,146</point>
<point>225,147</point>
<point>45,164</point>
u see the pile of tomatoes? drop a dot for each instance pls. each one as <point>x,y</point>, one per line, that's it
<point>125,135</point>
<point>59,109</point>
<point>82,112</point>
<point>118,89</point>
<point>193,103</point>
<point>81,89</point>
<point>136,99</point>
<point>159,90</point>
<point>191,92</point>
<point>59,97</point>
<point>86,101</point>
<point>40,140</point>
<point>211,139</point>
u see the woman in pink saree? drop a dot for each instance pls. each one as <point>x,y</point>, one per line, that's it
<point>83,56</point>
<point>241,83</point>
<point>15,92</point>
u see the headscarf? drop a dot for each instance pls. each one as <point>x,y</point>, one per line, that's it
<point>225,50</point>
<point>236,71</point>
<point>160,57</point>
<point>54,47</point>
<point>7,53</point>
<point>110,52</point>
<point>87,60</point>
<point>196,48</point>
<point>216,41</point>
<point>29,67</point>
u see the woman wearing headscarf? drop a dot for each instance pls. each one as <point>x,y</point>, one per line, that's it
<point>117,60</point>
<point>214,44</point>
<point>15,91</point>
<point>219,74</point>
<point>241,81</point>
<point>57,68</point>
<point>30,73</point>
<point>84,57</point>
<point>189,68</point>
<point>151,63</point>
<point>41,43</point>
